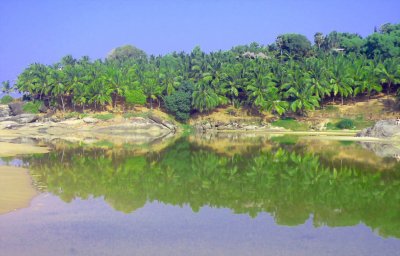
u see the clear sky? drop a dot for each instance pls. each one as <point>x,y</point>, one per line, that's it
<point>46,30</point>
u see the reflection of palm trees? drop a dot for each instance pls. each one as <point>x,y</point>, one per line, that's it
<point>278,181</point>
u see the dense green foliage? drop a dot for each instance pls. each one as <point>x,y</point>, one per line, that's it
<point>135,97</point>
<point>32,107</point>
<point>179,102</point>
<point>6,99</point>
<point>345,124</point>
<point>294,44</point>
<point>289,75</point>
<point>284,180</point>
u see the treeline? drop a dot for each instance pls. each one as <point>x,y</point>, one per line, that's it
<point>290,75</point>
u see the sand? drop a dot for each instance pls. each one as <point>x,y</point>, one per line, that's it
<point>13,149</point>
<point>16,189</point>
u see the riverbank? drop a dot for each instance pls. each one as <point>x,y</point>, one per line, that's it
<point>146,126</point>
<point>16,188</point>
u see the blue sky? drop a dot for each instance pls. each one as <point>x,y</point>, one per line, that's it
<point>44,31</point>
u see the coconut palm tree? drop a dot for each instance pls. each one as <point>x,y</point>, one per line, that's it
<point>389,73</point>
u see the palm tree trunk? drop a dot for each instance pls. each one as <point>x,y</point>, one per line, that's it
<point>62,103</point>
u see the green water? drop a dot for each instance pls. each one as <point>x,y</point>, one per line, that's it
<point>297,183</point>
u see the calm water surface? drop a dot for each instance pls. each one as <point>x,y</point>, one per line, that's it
<point>208,196</point>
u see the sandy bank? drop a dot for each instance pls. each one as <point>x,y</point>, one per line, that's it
<point>12,149</point>
<point>16,190</point>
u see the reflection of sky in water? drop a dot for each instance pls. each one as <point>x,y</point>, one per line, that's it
<point>14,162</point>
<point>93,228</point>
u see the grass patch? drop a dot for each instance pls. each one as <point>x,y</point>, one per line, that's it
<point>331,108</point>
<point>351,124</point>
<point>6,99</point>
<point>136,114</point>
<point>331,126</point>
<point>75,115</point>
<point>290,123</point>
<point>104,117</point>
<point>32,107</point>
<point>361,124</point>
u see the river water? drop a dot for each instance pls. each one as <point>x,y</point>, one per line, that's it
<point>281,195</point>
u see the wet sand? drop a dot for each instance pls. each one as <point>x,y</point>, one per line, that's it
<point>16,189</point>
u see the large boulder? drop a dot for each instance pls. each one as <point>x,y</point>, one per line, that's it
<point>382,129</point>
<point>90,120</point>
<point>21,119</point>
<point>16,108</point>
<point>25,118</point>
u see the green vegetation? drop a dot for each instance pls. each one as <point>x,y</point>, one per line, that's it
<point>32,107</point>
<point>75,115</point>
<point>290,185</point>
<point>291,124</point>
<point>104,117</point>
<point>135,97</point>
<point>179,102</point>
<point>136,114</point>
<point>6,99</point>
<point>290,75</point>
<point>345,124</point>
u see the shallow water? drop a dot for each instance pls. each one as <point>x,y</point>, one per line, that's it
<point>209,196</point>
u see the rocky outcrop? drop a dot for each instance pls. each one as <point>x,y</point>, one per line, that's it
<point>16,108</point>
<point>90,120</point>
<point>253,55</point>
<point>135,130</point>
<point>228,126</point>
<point>21,119</point>
<point>382,129</point>
<point>162,122</point>
<point>4,111</point>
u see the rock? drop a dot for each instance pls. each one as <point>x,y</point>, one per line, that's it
<point>25,118</point>
<point>90,120</point>
<point>382,129</point>
<point>4,111</point>
<point>250,127</point>
<point>8,124</point>
<point>169,125</point>
<point>16,108</point>
<point>22,119</point>
<point>55,119</point>
<point>72,122</point>
<point>164,123</point>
